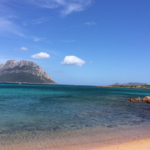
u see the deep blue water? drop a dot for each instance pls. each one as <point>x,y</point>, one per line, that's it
<point>60,107</point>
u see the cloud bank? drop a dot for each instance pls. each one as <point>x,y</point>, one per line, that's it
<point>40,56</point>
<point>73,60</point>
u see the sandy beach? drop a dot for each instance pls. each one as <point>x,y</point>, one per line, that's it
<point>143,144</point>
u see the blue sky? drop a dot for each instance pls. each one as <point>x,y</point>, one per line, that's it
<point>88,42</point>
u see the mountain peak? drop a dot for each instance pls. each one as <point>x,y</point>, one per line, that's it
<point>23,71</point>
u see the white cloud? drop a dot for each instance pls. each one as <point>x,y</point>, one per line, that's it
<point>24,48</point>
<point>68,6</point>
<point>7,26</point>
<point>90,23</point>
<point>40,56</point>
<point>90,62</point>
<point>73,60</point>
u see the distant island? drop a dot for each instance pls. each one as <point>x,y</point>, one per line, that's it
<point>23,72</point>
<point>129,85</point>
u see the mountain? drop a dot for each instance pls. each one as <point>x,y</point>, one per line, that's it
<point>24,71</point>
<point>130,84</point>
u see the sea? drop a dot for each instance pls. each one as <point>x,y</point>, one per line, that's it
<point>47,117</point>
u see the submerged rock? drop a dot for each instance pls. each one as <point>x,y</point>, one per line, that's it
<point>134,99</point>
<point>138,99</point>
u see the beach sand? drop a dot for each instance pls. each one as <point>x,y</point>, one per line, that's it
<point>119,138</point>
<point>143,144</point>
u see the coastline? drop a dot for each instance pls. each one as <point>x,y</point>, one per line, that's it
<point>128,87</point>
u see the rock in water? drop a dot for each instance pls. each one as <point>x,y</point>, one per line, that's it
<point>25,72</point>
<point>134,99</point>
<point>145,99</point>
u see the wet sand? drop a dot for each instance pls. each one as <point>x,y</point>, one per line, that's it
<point>119,138</point>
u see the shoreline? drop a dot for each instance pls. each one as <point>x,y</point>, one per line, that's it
<point>124,138</point>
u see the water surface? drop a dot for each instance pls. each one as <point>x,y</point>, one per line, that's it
<point>32,112</point>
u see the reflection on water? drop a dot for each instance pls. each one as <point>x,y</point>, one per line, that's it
<point>52,114</point>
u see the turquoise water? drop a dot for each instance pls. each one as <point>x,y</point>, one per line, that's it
<point>57,109</point>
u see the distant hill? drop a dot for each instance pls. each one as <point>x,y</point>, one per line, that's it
<point>25,72</point>
<point>130,84</point>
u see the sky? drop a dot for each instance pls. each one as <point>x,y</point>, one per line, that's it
<point>81,42</point>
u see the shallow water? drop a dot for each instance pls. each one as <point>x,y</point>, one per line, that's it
<point>53,112</point>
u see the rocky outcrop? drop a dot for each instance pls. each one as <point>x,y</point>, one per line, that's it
<point>25,72</point>
<point>145,99</point>
<point>134,99</point>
